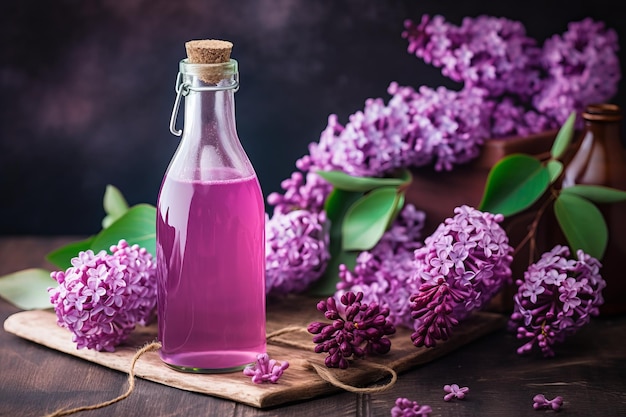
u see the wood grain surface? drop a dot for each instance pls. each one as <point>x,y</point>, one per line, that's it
<point>299,382</point>
<point>588,371</point>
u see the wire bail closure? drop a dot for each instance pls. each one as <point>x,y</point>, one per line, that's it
<point>183,88</point>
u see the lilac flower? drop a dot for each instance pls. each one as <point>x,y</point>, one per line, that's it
<point>415,128</point>
<point>296,250</point>
<point>556,298</point>
<point>446,127</point>
<point>265,369</point>
<point>484,52</point>
<point>103,296</point>
<point>540,402</point>
<point>407,408</point>
<point>462,265</point>
<point>356,330</point>
<point>372,143</point>
<point>384,273</point>
<point>533,88</point>
<point>581,67</point>
<point>511,86</point>
<point>454,391</point>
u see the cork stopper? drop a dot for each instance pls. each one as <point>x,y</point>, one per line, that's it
<point>209,51</point>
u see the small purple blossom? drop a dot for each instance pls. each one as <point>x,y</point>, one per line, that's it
<point>462,265</point>
<point>296,250</point>
<point>356,330</point>
<point>541,402</point>
<point>556,298</point>
<point>265,369</point>
<point>102,296</point>
<point>454,391</point>
<point>407,408</point>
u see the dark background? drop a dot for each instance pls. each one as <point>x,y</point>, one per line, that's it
<point>88,86</point>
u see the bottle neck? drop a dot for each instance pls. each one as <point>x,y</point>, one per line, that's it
<point>210,147</point>
<point>209,112</point>
<point>603,121</point>
<point>599,158</point>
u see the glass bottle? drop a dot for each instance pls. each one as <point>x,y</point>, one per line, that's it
<point>210,233</point>
<point>600,160</point>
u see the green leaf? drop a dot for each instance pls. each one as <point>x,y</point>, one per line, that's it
<point>27,289</point>
<point>62,256</point>
<point>582,224</point>
<point>514,184</point>
<point>367,219</point>
<point>564,137</point>
<point>596,193</point>
<point>555,168</point>
<point>136,226</point>
<point>337,204</point>
<point>343,181</point>
<point>115,205</point>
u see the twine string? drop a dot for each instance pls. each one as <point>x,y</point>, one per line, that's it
<point>273,338</point>
<point>131,385</point>
<point>327,375</point>
<point>324,372</point>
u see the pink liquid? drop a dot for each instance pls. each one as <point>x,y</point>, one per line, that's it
<point>211,273</point>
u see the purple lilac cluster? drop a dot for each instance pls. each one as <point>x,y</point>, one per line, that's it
<point>383,274</point>
<point>102,296</point>
<point>533,87</point>
<point>582,67</point>
<point>407,408</point>
<point>511,86</point>
<point>490,53</point>
<point>296,236</point>
<point>356,330</point>
<point>461,266</point>
<point>556,298</point>
<point>415,128</point>
<point>296,250</point>
<point>265,369</point>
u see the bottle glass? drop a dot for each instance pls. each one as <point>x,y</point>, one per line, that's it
<point>210,234</point>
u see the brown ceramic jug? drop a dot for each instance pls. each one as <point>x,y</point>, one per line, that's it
<point>600,160</point>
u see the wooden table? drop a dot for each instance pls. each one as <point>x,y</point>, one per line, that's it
<point>589,372</point>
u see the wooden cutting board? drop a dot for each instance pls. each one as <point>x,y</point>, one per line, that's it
<point>299,382</point>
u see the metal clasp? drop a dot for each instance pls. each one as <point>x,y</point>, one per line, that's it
<point>183,89</point>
